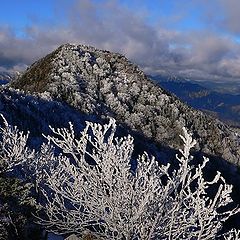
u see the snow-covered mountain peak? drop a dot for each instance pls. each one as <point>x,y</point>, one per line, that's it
<point>107,84</point>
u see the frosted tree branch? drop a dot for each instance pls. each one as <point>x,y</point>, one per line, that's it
<point>107,199</point>
<point>13,147</point>
<point>116,203</point>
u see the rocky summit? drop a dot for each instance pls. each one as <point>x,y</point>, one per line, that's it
<point>107,84</point>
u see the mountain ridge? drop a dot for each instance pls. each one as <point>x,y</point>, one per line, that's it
<point>224,106</point>
<point>105,83</point>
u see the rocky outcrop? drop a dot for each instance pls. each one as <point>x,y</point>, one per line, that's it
<point>104,83</point>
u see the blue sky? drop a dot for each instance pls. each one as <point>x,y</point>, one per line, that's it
<point>197,39</point>
<point>19,14</point>
<point>25,12</point>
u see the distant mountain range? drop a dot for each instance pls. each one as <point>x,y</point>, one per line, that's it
<point>229,87</point>
<point>6,77</point>
<point>224,106</point>
<point>99,83</point>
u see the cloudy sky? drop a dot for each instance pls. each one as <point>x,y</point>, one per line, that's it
<point>198,39</point>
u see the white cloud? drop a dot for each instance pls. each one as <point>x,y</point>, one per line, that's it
<point>198,54</point>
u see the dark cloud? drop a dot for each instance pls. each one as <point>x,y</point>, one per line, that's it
<point>109,25</point>
<point>16,53</point>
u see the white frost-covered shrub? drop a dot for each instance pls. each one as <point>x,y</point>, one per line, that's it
<point>13,147</point>
<point>109,200</point>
